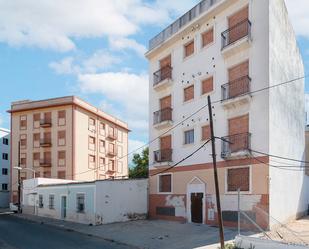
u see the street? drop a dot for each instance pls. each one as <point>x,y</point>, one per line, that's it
<point>22,234</point>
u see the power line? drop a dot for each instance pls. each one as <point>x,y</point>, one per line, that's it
<point>185,158</point>
<point>191,115</point>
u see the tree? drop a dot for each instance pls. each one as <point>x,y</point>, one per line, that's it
<point>140,168</point>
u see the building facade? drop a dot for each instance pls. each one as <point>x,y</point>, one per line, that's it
<point>230,50</point>
<point>4,167</point>
<point>67,138</point>
<point>98,202</point>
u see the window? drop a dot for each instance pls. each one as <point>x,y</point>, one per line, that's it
<point>91,143</point>
<point>23,141</point>
<point>91,124</point>
<point>91,161</point>
<point>111,165</point>
<point>207,85</point>
<point>119,167</point>
<point>61,117</point>
<point>61,158</point>
<point>189,48</point>
<point>207,37</point>
<point>61,138</point>
<point>61,174</point>
<point>41,204</point>
<point>4,171</point>
<point>36,140</point>
<point>4,186</point>
<point>5,141</point>
<point>205,132</point>
<point>102,129</point>
<point>51,202</point>
<point>102,163</point>
<point>36,159</point>
<point>80,200</point>
<point>5,156</point>
<point>165,183</point>
<point>47,174</point>
<point>36,120</point>
<point>102,146</point>
<point>238,178</point>
<point>189,137</point>
<point>23,122</point>
<point>188,93</point>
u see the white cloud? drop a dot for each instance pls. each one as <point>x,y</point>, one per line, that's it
<point>1,120</point>
<point>54,24</point>
<point>298,12</point>
<point>121,43</point>
<point>65,66</point>
<point>129,91</point>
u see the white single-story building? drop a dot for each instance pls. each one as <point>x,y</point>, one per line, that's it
<point>96,202</point>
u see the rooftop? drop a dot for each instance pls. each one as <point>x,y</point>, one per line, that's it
<point>181,22</point>
<point>26,105</point>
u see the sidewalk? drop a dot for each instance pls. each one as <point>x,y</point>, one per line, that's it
<point>148,234</point>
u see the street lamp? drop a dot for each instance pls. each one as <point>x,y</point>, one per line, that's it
<point>20,168</point>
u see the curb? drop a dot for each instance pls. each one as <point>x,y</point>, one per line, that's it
<point>69,229</point>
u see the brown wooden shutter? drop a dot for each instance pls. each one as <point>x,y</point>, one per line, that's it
<point>189,49</point>
<point>207,37</point>
<point>207,85</point>
<point>238,178</point>
<point>205,132</point>
<point>189,93</point>
<point>166,102</point>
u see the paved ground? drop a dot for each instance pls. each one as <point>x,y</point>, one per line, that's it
<point>149,234</point>
<point>24,234</point>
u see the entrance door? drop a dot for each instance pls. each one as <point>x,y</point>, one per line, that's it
<point>197,207</point>
<point>63,207</point>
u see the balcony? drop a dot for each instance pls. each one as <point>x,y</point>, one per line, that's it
<point>236,146</point>
<point>111,153</point>
<point>112,135</point>
<point>162,78</point>
<point>236,38</point>
<point>46,122</point>
<point>45,142</point>
<point>45,162</point>
<point>236,92</point>
<point>163,118</point>
<point>161,156</point>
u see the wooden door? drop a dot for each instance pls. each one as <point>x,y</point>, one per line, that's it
<point>166,102</point>
<point>197,207</point>
<point>166,142</point>
<point>238,132</point>
<point>166,62</point>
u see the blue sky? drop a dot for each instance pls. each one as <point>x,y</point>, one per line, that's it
<point>93,49</point>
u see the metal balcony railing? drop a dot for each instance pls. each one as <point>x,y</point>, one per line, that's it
<point>112,134</point>
<point>189,16</point>
<point>236,88</point>
<point>164,155</point>
<point>235,143</point>
<point>46,122</point>
<point>45,142</point>
<point>162,74</point>
<point>162,115</point>
<point>111,152</point>
<point>235,33</point>
<point>45,162</point>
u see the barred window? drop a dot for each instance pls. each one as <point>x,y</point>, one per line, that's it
<point>238,178</point>
<point>41,204</point>
<point>165,183</point>
<point>51,202</point>
<point>80,201</point>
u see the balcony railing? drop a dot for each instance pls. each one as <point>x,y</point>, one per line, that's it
<point>235,143</point>
<point>45,162</point>
<point>112,135</point>
<point>164,155</point>
<point>235,33</point>
<point>162,74</point>
<point>112,152</point>
<point>162,115</point>
<point>236,88</point>
<point>45,142</point>
<point>46,122</point>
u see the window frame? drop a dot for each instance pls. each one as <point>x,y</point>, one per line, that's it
<point>213,85</point>
<point>212,27</point>
<point>184,136</point>
<point>5,141</point>
<point>185,45</point>
<point>250,180</point>
<point>158,183</point>
<point>5,156</point>
<point>5,171</point>
<point>184,94</point>
<point>41,201</point>
<point>51,205</point>
<point>78,210</point>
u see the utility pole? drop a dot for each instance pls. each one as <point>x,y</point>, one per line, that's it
<point>213,145</point>
<point>19,180</point>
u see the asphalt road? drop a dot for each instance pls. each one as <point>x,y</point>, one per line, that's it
<point>16,233</point>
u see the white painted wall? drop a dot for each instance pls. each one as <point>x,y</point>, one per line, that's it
<point>4,179</point>
<point>122,200</point>
<point>289,190</point>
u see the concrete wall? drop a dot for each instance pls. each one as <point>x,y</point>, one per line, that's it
<point>4,179</point>
<point>118,201</point>
<point>289,190</point>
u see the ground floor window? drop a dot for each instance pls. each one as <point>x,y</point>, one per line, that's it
<point>80,199</point>
<point>51,202</point>
<point>165,183</point>
<point>41,205</point>
<point>238,178</point>
<point>4,186</point>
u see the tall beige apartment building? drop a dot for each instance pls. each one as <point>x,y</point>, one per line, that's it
<point>66,138</point>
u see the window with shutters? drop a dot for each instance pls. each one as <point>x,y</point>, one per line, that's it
<point>23,141</point>
<point>23,122</point>
<point>41,204</point>
<point>36,140</point>
<point>102,129</point>
<point>165,183</point>
<point>36,120</point>
<point>189,49</point>
<point>91,161</point>
<point>102,163</point>
<point>188,93</point>
<point>23,159</point>
<point>91,124</point>
<point>102,146</point>
<point>61,174</point>
<point>61,118</point>
<point>207,85</point>
<point>91,143</point>
<point>238,178</point>
<point>61,158</point>
<point>61,138</point>
<point>207,37</point>
<point>205,132</point>
<point>36,159</point>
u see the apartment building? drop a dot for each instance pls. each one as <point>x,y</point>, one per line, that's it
<point>4,167</point>
<point>66,138</point>
<point>228,49</point>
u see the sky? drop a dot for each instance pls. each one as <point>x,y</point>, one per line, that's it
<point>94,49</point>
